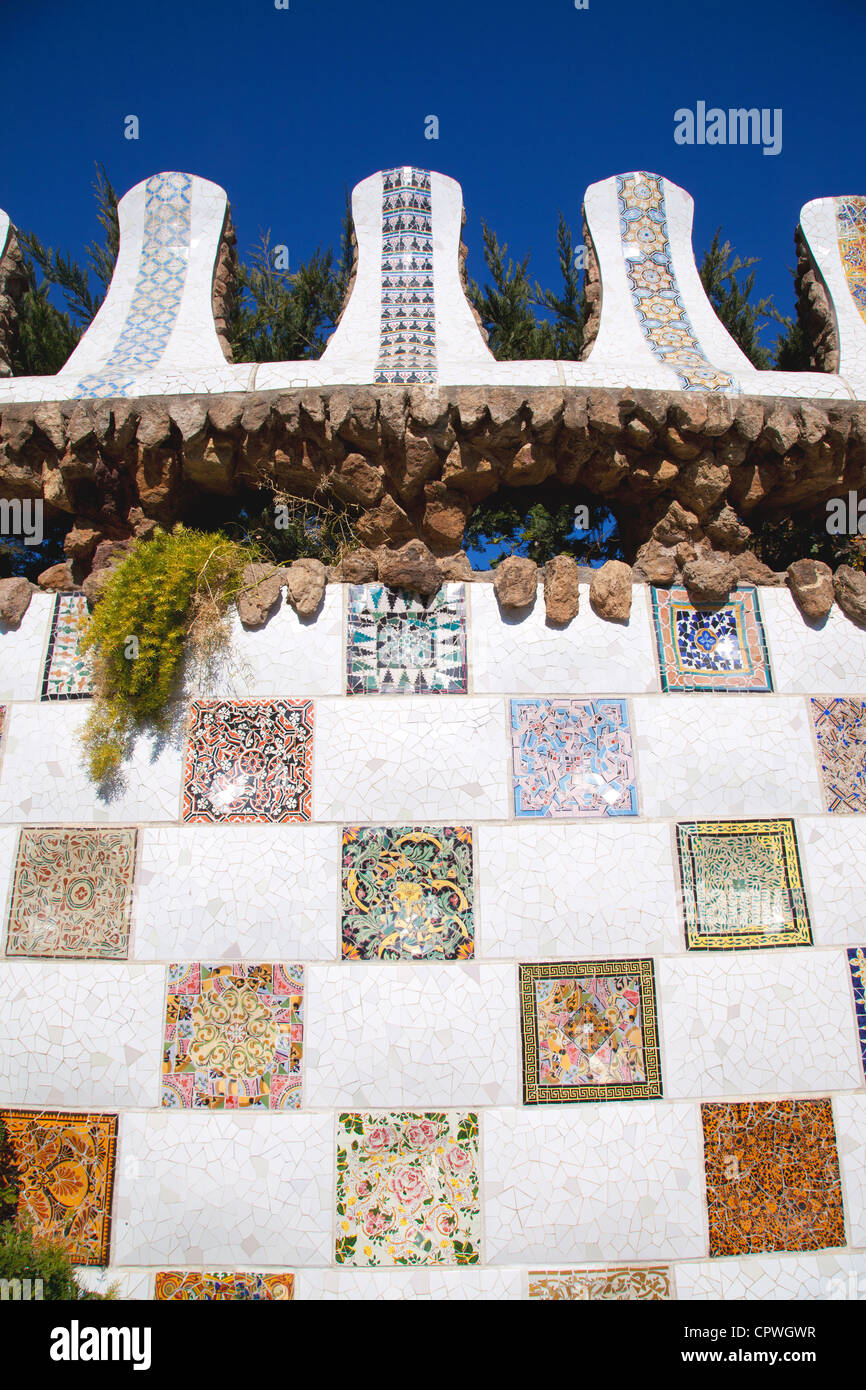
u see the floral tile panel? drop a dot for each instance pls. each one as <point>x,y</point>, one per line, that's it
<point>772,1175</point>
<point>398,644</point>
<point>66,1177</point>
<point>721,648</point>
<point>68,674</point>
<point>72,893</point>
<point>840,731</point>
<point>407,893</point>
<point>233,1037</point>
<point>572,758</point>
<point>407,1189</point>
<point>742,885</point>
<point>208,1287</point>
<point>650,1283</point>
<point>589,1031</point>
<point>249,761</point>
<point>857,964</point>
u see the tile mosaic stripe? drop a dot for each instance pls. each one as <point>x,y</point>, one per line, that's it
<point>857,964</point>
<point>407,341</point>
<point>851,230</point>
<point>68,674</point>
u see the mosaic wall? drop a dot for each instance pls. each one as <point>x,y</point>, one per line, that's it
<point>68,674</point>
<point>719,648</point>
<point>851,225</point>
<point>400,645</point>
<point>507,1000</point>
<point>407,343</point>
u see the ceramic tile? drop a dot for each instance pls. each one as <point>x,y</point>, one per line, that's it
<point>851,224</point>
<point>209,1287</point>
<point>840,728</point>
<point>22,650</point>
<point>301,655</point>
<point>850,1111</point>
<point>233,1037</point>
<point>400,645</point>
<point>761,1279</point>
<point>67,674</point>
<point>72,893</point>
<point>383,1284</point>
<point>589,1031</point>
<point>742,885</point>
<point>805,656</point>
<point>407,1189</point>
<point>407,893</point>
<point>833,850</point>
<point>857,966</point>
<point>630,1282</point>
<point>407,342</point>
<point>66,1175</point>
<point>772,1177</point>
<point>720,648</point>
<point>249,760</point>
<point>572,758</point>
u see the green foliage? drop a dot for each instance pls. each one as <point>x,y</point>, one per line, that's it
<point>779,542</point>
<point>508,302</point>
<point>170,594</point>
<point>282,527</point>
<point>539,522</point>
<point>8,1179</point>
<point>24,1254</point>
<point>731,298</point>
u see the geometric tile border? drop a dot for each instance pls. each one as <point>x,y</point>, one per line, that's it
<point>407,338</point>
<point>590,1032</point>
<point>572,758</point>
<point>66,1177</point>
<point>717,649</point>
<point>67,674</point>
<point>233,1037</point>
<point>398,644</point>
<point>742,885</point>
<point>249,761</point>
<point>840,731</point>
<point>72,893</point>
<point>857,965</point>
<point>208,1287</point>
<point>772,1175</point>
<point>644,1282</point>
<point>407,893</point>
<point>407,1189</point>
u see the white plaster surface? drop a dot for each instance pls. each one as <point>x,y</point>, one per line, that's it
<point>22,651</point>
<point>833,855</point>
<point>593,1182</point>
<point>213,1190</point>
<point>738,756</point>
<point>237,892</point>
<point>831,1274</point>
<point>81,1032</point>
<point>809,658</point>
<point>757,1022</point>
<point>391,1285</point>
<point>415,1034</point>
<point>526,656</point>
<point>819,225</point>
<point>849,1114</point>
<point>381,759</point>
<point>558,890</point>
<point>8,849</point>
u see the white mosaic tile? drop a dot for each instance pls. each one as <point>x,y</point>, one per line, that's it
<point>523,655</point>
<point>849,1114</point>
<point>597,1183</point>
<point>548,890</point>
<point>54,787</point>
<point>391,1285</point>
<point>415,1034</point>
<point>22,651</point>
<point>8,848</point>
<point>757,1022</point>
<point>442,758</point>
<point>721,756</point>
<point>819,222</point>
<point>212,1190</point>
<point>126,1284</point>
<point>809,660</point>
<point>833,853</point>
<point>237,892</point>
<point>80,1033</point>
<point>829,1275</point>
<point>287,656</point>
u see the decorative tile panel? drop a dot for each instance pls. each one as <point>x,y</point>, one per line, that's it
<point>233,1037</point>
<point>742,885</point>
<point>851,227</point>
<point>407,343</point>
<point>207,1287</point>
<point>711,648</point>
<point>654,288</point>
<point>67,674</point>
<point>407,893</point>
<point>840,729</point>
<point>66,1176</point>
<point>772,1175</point>
<point>589,1032</point>
<point>72,893</point>
<point>158,289</point>
<point>400,645</point>
<point>249,760</point>
<point>407,1189</point>
<point>572,758</point>
<point>857,964</point>
<point>633,1282</point>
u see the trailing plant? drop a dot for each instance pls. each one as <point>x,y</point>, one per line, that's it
<point>45,1264</point>
<point>168,598</point>
<point>8,1179</point>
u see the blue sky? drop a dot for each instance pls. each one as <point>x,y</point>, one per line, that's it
<point>535,101</point>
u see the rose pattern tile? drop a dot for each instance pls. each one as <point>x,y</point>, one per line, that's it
<point>211,1287</point>
<point>742,885</point>
<point>72,893</point>
<point>249,761</point>
<point>772,1175</point>
<point>572,758</point>
<point>407,1189</point>
<point>651,1283</point>
<point>407,893</point>
<point>233,1037</point>
<point>398,644</point>
<point>840,730</point>
<point>68,674</point>
<point>589,1031</point>
<point>721,648</point>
